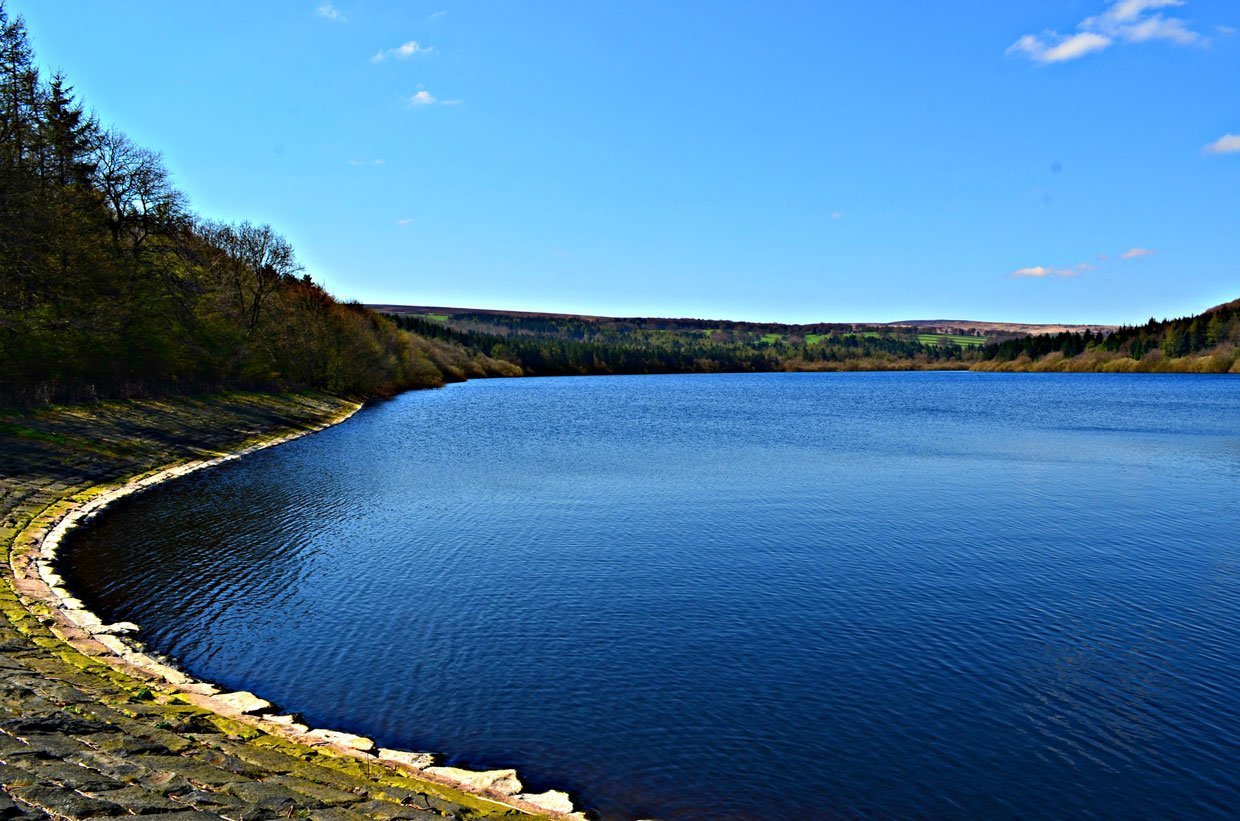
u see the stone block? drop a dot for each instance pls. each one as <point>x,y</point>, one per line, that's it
<point>500,782</point>
<point>241,703</point>
<point>65,804</point>
<point>418,761</point>
<point>354,742</point>
<point>329,796</point>
<point>391,812</point>
<point>551,800</point>
<point>141,802</point>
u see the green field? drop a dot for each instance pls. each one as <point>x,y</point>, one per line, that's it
<point>814,339</point>
<point>963,341</point>
<point>435,317</point>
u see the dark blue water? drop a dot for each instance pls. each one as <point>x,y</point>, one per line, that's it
<point>749,596</point>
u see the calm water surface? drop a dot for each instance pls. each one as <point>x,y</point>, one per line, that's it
<point>750,596</point>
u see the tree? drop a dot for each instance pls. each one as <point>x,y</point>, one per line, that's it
<point>68,138</point>
<point>1176,341</point>
<point>19,90</point>
<point>20,224</point>
<point>141,200</point>
<point>255,261</point>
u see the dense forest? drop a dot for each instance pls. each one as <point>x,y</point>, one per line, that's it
<point>556,345</point>
<point>110,286</point>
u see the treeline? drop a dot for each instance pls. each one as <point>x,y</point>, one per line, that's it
<point>555,345</point>
<point>111,287</point>
<point>1206,343</point>
<point>557,356</point>
<point>655,330</point>
<point>563,346</point>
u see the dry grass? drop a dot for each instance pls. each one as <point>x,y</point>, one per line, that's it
<point>1223,359</point>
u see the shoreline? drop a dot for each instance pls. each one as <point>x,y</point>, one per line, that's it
<point>32,569</point>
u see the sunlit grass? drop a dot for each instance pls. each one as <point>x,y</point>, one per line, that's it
<point>952,339</point>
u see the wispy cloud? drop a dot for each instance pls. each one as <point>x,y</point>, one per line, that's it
<point>1226,144</point>
<point>404,221</point>
<point>1124,21</point>
<point>436,16</point>
<point>404,51</point>
<point>837,215</point>
<point>1046,271</point>
<point>365,162</point>
<point>1051,47</point>
<point>329,12</point>
<point>425,98</point>
<point>1040,271</point>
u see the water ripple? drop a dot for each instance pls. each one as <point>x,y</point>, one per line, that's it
<point>781,595</point>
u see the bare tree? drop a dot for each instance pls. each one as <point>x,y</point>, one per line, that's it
<point>137,191</point>
<point>256,260</point>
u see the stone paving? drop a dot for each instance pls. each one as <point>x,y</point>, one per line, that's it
<point>86,736</point>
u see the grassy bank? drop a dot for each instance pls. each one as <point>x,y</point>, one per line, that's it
<point>1223,360</point>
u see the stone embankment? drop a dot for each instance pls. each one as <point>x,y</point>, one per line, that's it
<point>93,726</point>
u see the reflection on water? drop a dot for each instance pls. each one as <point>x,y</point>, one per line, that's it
<point>780,595</point>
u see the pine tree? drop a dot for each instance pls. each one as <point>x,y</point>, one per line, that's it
<point>20,225</point>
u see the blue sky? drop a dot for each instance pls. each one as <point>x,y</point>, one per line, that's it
<point>791,161</point>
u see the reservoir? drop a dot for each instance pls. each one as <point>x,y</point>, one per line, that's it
<point>736,596</point>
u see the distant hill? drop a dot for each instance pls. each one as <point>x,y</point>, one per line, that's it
<point>1233,306</point>
<point>563,344</point>
<point>1013,328</point>
<point>555,343</point>
<point>936,326</point>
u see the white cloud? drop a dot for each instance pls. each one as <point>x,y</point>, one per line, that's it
<point>1226,144</point>
<point>1125,21</point>
<point>1126,10</point>
<point>1039,271</point>
<point>837,215</point>
<point>329,12</point>
<point>1142,30</point>
<point>404,51</point>
<point>1052,47</point>
<point>1035,271</point>
<point>425,98</point>
<point>1078,45</point>
<point>365,162</point>
<point>1137,253</point>
<point>436,16</point>
<point>404,221</point>
<point>1131,21</point>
